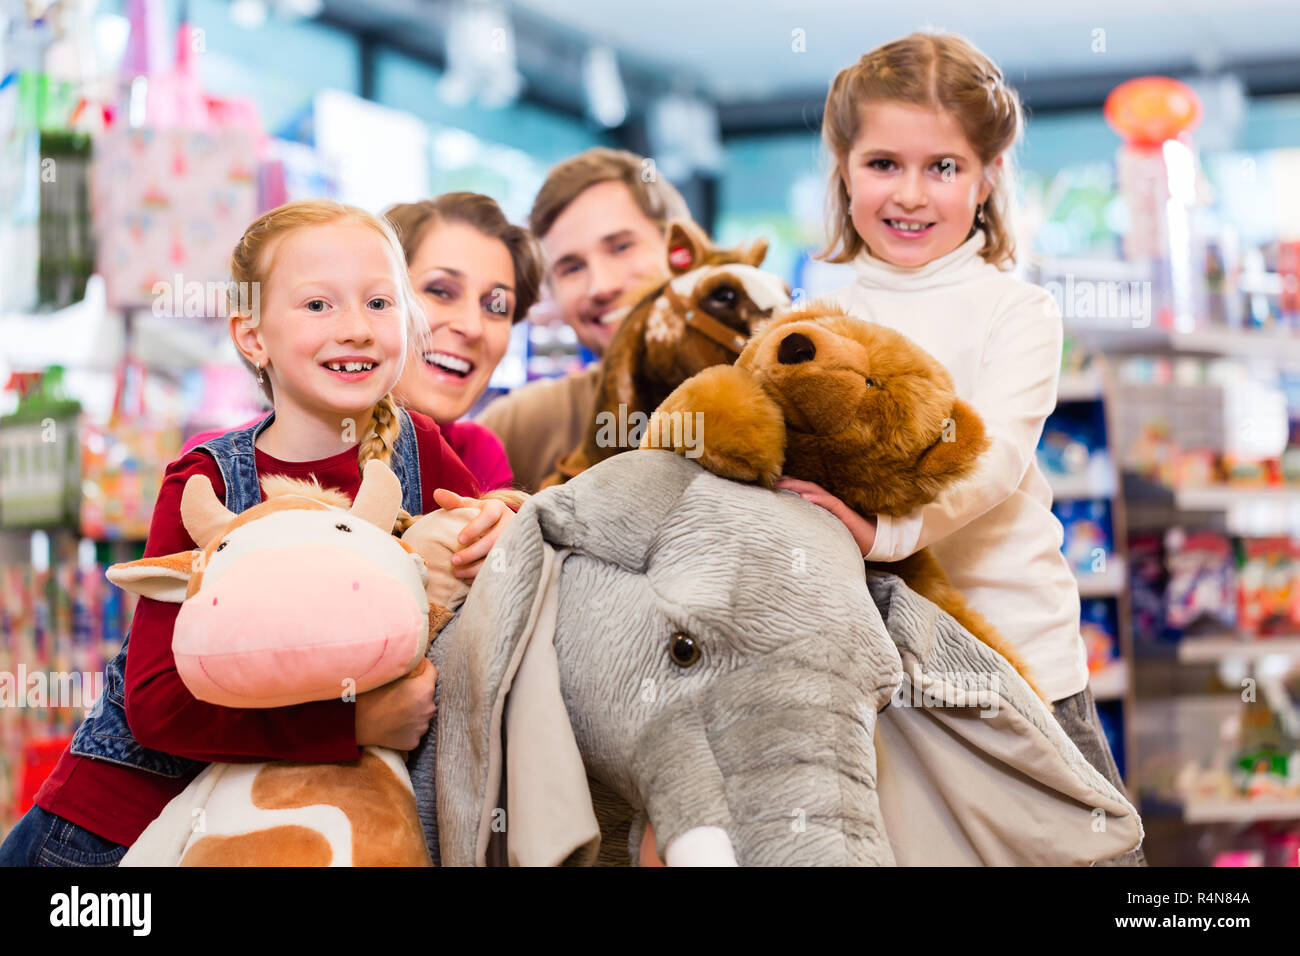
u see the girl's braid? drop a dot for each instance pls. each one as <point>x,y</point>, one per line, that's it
<point>378,443</point>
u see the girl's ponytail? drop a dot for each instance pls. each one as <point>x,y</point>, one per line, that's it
<point>378,443</point>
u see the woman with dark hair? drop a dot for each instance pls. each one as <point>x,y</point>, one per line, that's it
<point>476,275</point>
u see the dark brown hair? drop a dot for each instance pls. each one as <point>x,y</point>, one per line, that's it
<point>941,71</point>
<point>412,220</point>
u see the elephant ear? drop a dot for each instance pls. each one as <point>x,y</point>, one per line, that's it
<point>510,783</point>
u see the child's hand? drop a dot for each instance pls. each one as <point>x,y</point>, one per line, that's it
<point>862,528</point>
<point>479,535</point>
<point>397,715</point>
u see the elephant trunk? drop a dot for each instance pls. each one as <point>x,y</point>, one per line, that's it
<point>773,764</point>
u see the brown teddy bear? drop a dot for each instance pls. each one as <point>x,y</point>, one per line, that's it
<point>850,405</point>
<point>700,315</point>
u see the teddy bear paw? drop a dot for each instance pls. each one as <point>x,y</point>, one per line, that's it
<point>723,419</point>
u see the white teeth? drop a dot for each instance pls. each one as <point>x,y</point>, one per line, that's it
<point>449,362</point>
<point>907,226</point>
<point>350,366</point>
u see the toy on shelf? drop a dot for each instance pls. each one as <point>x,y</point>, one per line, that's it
<point>1097,625</point>
<point>39,472</point>
<point>1087,525</point>
<point>123,463</point>
<point>1147,579</point>
<point>1073,448</point>
<point>1267,598</point>
<point>1202,590</point>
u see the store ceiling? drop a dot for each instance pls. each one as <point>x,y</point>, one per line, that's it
<point>740,53</point>
<point>741,49</point>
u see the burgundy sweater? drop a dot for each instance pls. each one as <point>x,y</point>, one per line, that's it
<point>118,802</point>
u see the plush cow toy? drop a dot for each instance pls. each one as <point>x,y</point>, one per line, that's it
<point>305,596</point>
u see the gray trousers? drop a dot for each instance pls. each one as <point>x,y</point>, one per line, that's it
<point>1078,717</point>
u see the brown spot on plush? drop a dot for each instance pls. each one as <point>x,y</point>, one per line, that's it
<point>438,618</point>
<point>385,828</point>
<point>278,846</point>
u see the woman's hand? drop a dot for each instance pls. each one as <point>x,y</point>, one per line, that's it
<point>479,535</point>
<point>862,528</point>
<point>397,715</point>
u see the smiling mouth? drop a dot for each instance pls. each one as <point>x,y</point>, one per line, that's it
<point>349,366</point>
<point>451,364</point>
<point>907,225</point>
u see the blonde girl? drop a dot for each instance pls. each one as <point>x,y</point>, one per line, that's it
<point>328,316</point>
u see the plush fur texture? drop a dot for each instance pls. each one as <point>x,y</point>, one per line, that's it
<point>657,347</point>
<point>854,407</point>
<point>275,486</point>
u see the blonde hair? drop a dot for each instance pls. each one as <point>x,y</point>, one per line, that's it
<point>941,71</point>
<point>657,198</point>
<point>253,261</point>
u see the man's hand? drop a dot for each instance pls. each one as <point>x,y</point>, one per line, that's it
<point>862,528</point>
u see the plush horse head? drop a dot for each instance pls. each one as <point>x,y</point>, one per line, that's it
<point>301,597</point>
<point>701,315</point>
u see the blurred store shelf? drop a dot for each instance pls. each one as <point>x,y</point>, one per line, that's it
<point>1210,648</point>
<point>1105,583</point>
<point>1079,387</point>
<point>1203,810</point>
<point>1083,486</point>
<point>1122,336</point>
<point>1222,497</point>
<point>88,335</point>
<point>1111,682</point>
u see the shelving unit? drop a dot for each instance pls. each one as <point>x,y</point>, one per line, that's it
<point>1175,673</point>
<point>1201,811</point>
<point>1113,684</point>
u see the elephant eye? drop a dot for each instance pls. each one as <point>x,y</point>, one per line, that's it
<point>342,527</point>
<point>222,545</point>
<point>683,650</point>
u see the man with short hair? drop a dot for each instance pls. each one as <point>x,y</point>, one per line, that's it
<point>601,217</point>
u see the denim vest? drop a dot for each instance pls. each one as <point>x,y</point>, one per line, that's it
<point>104,734</point>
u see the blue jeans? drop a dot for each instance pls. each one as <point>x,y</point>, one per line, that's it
<point>1078,717</point>
<point>41,838</point>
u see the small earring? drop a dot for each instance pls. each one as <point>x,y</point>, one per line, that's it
<point>259,374</point>
<point>979,215</point>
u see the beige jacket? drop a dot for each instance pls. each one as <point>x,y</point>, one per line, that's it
<point>541,422</point>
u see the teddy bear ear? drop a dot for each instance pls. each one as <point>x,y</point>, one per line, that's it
<point>960,444</point>
<point>687,246</point>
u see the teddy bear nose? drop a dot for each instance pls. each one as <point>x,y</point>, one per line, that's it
<point>795,348</point>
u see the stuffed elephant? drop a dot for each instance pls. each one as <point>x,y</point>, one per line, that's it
<point>653,642</point>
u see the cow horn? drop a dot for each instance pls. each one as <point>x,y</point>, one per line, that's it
<point>379,498</point>
<point>203,515</point>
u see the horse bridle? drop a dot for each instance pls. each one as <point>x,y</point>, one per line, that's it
<point>705,324</point>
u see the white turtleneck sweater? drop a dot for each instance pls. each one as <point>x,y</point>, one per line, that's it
<point>994,533</point>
